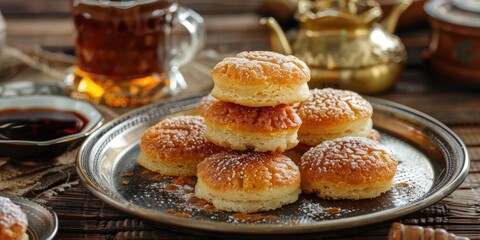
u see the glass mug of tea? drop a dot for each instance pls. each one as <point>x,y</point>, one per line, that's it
<point>125,53</point>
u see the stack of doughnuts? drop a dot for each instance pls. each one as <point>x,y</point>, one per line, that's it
<point>254,118</point>
<point>345,159</point>
<point>258,107</point>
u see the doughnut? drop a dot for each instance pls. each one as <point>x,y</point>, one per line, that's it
<point>261,79</point>
<point>330,113</point>
<point>175,146</point>
<point>374,135</point>
<point>13,221</point>
<point>262,129</point>
<point>348,168</point>
<point>246,181</point>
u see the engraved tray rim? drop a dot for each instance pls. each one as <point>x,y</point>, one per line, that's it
<point>460,171</point>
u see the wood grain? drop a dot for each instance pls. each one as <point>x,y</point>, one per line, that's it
<point>37,9</point>
<point>232,26</point>
<point>57,33</point>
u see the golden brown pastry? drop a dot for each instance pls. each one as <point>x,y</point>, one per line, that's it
<point>348,168</point>
<point>330,113</point>
<point>205,103</point>
<point>262,129</point>
<point>175,146</point>
<point>374,135</point>
<point>13,221</point>
<point>248,181</point>
<point>260,79</point>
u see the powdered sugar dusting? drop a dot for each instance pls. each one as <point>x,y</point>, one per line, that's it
<point>247,170</point>
<point>177,192</point>
<point>157,194</point>
<point>313,210</point>
<point>350,159</point>
<point>333,105</point>
<point>289,61</point>
<point>259,67</point>
<point>11,214</point>
<point>178,137</point>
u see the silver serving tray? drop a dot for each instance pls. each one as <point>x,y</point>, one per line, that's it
<point>433,162</point>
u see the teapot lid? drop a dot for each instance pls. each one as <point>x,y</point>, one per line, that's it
<point>468,5</point>
<point>353,12</point>
<point>460,12</point>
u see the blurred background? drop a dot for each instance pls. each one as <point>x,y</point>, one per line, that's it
<point>40,29</point>
<point>48,22</point>
<point>52,27</point>
<point>232,26</point>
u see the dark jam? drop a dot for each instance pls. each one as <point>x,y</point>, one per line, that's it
<point>39,124</point>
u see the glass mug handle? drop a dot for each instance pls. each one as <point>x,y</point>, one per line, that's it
<point>193,22</point>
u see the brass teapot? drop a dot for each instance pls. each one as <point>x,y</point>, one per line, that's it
<point>344,45</point>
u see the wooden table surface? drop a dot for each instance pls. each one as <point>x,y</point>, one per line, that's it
<point>232,26</point>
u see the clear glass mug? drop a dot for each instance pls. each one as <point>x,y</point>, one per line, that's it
<point>3,33</point>
<point>125,53</point>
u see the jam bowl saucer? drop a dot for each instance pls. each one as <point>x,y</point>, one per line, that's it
<point>37,128</point>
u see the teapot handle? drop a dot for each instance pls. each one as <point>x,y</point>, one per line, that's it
<point>278,40</point>
<point>390,22</point>
<point>371,14</point>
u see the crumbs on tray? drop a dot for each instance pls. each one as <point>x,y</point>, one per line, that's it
<point>252,217</point>
<point>178,214</point>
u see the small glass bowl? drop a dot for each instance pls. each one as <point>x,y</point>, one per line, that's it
<point>33,153</point>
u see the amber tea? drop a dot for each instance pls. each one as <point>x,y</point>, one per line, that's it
<point>123,50</point>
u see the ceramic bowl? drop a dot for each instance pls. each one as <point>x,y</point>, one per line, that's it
<point>454,49</point>
<point>28,152</point>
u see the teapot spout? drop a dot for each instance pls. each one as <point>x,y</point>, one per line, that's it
<point>278,40</point>
<point>390,22</point>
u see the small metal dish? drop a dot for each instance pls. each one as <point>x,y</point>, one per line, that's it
<point>39,152</point>
<point>42,221</point>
